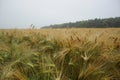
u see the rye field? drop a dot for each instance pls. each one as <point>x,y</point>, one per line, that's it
<point>60,54</point>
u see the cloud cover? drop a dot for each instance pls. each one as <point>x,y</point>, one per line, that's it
<point>22,13</point>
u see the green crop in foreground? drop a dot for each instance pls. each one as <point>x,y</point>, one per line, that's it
<point>60,54</point>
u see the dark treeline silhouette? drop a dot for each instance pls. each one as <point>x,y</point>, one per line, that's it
<point>92,23</point>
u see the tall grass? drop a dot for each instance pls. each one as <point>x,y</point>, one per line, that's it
<point>60,54</point>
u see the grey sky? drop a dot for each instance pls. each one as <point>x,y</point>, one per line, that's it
<point>22,13</point>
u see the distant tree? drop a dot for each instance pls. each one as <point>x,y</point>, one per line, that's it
<point>92,23</point>
<point>32,26</point>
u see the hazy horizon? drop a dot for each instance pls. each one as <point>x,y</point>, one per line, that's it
<point>23,13</point>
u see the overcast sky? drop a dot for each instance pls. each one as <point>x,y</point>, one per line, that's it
<point>22,13</point>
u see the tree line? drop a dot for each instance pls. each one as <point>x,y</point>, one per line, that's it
<point>91,23</point>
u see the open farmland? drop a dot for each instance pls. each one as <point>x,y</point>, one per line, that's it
<point>60,54</point>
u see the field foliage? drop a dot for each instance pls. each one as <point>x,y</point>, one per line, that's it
<point>60,54</point>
